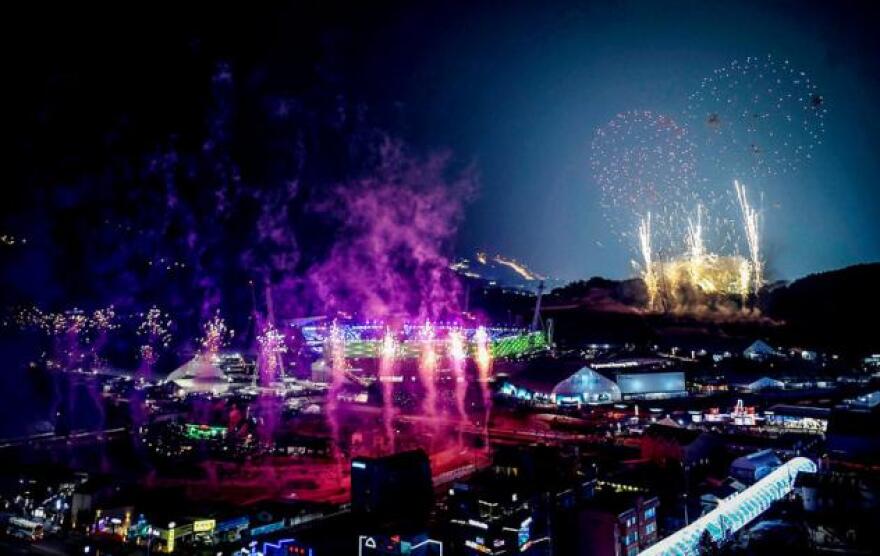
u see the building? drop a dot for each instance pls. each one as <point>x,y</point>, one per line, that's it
<point>616,524</point>
<point>398,545</point>
<point>645,378</point>
<point>762,384</point>
<point>651,385</point>
<point>714,496</point>
<point>586,387</point>
<point>689,448</point>
<point>754,467</point>
<point>235,367</point>
<point>798,417</point>
<point>286,547</point>
<point>600,383</point>
<point>488,517</point>
<point>512,506</point>
<point>199,375</point>
<point>759,351</point>
<point>710,384</point>
<point>867,401</point>
<point>395,489</point>
<point>872,362</point>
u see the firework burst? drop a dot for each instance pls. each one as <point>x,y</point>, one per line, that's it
<point>759,117</point>
<point>272,346</point>
<point>216,336</point>
<point>649,274</point>
<point>644,162</point>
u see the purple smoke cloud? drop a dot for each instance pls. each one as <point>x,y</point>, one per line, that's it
<point>397,230</point>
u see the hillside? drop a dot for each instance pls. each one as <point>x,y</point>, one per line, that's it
<point>837,310</point>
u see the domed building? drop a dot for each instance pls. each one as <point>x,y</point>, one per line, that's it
<point>586,386</point>
<point>553,382</point>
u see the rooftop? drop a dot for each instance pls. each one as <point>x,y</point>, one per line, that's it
<point>678,435</point>
<point>618,502</point>
<point>800,411</point>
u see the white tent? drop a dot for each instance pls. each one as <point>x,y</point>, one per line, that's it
<point>669,422</point>
<point>199,375</point>
<point>765,383</point>
<point>587,386</point>
<point>759,350</point>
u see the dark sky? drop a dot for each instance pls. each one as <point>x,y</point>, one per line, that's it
<point>516,88</point>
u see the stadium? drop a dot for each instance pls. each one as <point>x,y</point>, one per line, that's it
<point>365,340</point>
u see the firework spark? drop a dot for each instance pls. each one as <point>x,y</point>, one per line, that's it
<point>338,366</point>
<point>697,255</point>
<point>483,357</point>
<point>459,359</point>
<point>272,346</point>
<point>154,329</point>
<point>649,274</point>
<point>216,336</point>
<point>745,275</point>
<point>683,282</point>
<point>751,224</point>
<point>428,368</point>
<point>77,337</point>
<point>759,117</point>
<point>645,162</point>
<point>386,378</point>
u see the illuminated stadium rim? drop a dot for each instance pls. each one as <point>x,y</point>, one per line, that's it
<point>315,334</point>
<point>733,512</point>
<point>503,342</point>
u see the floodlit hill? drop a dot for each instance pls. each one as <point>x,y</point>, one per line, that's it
<point>503,272</point>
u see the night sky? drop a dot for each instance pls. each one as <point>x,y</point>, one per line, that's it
<point>524,90</point>
<point>250,106</point>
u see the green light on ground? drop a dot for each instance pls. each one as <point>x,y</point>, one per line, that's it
<point>204,432</point>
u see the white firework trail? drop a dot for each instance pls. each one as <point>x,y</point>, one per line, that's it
<point>696,247</point>
<point>648,274</point>
<point>752,225</point>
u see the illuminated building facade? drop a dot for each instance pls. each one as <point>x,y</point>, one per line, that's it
<point>617,524</point>
<point>651,386</point>
<point>490,521</point>
<point>601,384</point>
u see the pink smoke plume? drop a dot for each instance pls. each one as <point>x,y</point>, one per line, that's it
<point>386,377</point>
<point>398,226</point>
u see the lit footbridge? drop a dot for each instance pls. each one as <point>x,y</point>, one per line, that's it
<point>734,512</point>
